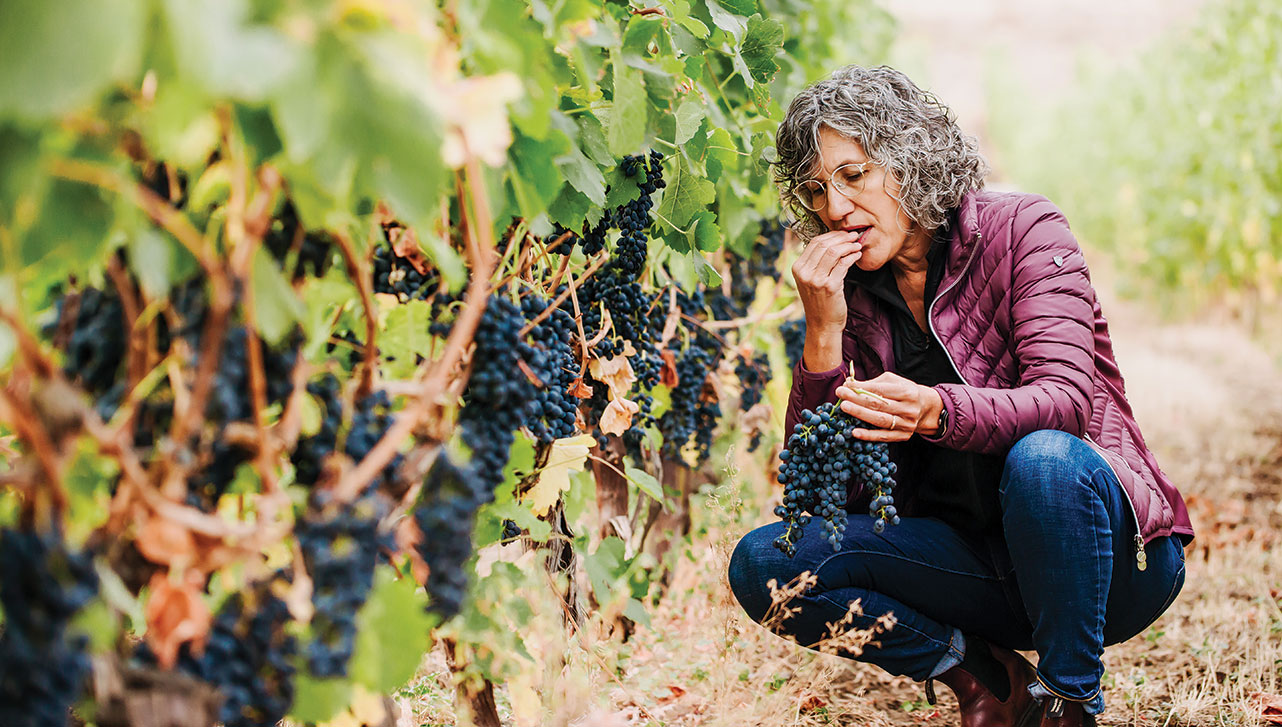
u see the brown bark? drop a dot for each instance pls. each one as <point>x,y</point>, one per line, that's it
<point>475,704</point>
<point>611,487</point>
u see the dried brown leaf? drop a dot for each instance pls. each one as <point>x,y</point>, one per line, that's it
<point>176,614</point>
<point>617,417</point>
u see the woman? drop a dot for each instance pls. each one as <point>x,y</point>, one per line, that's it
<point>1033,515</point>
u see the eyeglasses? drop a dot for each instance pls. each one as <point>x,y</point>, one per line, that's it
<point>848,179</point>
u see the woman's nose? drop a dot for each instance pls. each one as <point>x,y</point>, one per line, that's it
<point>837,205</point>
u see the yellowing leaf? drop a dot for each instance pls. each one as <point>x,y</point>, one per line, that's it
<point>617,416</point>
<point>567,455</point>
<point>615,372</point>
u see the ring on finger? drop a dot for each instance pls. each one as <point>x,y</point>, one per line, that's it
<point>893,419</point>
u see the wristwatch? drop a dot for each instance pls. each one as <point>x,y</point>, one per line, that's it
<point>943,422</point>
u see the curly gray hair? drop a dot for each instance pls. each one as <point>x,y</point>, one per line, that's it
<point>901,127</point>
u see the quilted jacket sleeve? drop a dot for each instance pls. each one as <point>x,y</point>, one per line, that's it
<point>810,389</point>
<point>1052,340</point>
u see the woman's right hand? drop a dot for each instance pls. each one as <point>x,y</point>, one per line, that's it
<point>820,273</point>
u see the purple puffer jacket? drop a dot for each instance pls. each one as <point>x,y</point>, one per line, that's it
<point>1018,316</point>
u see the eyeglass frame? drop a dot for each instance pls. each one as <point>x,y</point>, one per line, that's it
<point>863,172</point>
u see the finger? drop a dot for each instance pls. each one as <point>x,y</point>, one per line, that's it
<point>880,435</point>
<point>843,263</point>
<point>857,396</point>
<point>880,418</point>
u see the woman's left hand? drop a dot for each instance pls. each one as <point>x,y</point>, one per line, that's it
<point>897,406</point>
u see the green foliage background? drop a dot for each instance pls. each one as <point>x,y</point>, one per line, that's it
<point>1174,165</point>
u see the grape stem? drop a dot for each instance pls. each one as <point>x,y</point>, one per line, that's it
<point>363,285</point>
<point>601,260</point>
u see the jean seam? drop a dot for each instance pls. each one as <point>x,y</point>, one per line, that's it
<point>1170,597</point>
<point>898,623</point>
<point>906,559</point>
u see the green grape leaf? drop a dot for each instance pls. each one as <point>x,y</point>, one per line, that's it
<point>622,189</point>
<point>584,174</point>
<point>705,235</point>
<point>640,31</point>
<point>317,700</point>
<point>726,20</point>
<point>592,140</point>
<point>405,334</point>
<point>535,166</point>
<point>215,45</point>
<point>570,208</point>
<point>685,195</point>
<point>628,114</point>
<point>606,566</point>
<point>276,308</point>
<point>689,117</point>
<point>708,275</point>
<point>635,610</point>
<point>58,55</point>
<point>743,8</point>
<point>755,55</point>
<point>394,631</point>
<point>645,482</point>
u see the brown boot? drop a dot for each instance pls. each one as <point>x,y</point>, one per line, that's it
<point>1063,713</point>
<point>980,707</point>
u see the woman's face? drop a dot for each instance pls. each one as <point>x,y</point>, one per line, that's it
<point>886,232</point>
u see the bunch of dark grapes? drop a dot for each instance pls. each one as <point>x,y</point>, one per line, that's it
<point>745,273</point>
<point>753,375</point>
<point>794,340</point>
<point>315,250</point>
<point>551,358</point>
<point>309,454</point>
<point>694,410</point>
<point>633,218</point>
<point>820,459</point>
<point>229,399</point>
<point>370,421</point>
<point>340,545</point>
<point>511,531</point>
<point>210,482</point>
<point>445,514</point>
<point>592,240</point>
<point>498,396</point>
<point>43,668</point>
<point>397,276</point>
<point>764,261</point>
<point>97,344</point>
<point>248,658</point>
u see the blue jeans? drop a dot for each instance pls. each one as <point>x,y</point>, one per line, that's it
<point>1062,577</point>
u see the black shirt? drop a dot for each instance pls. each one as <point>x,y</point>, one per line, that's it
<point>957,487</point>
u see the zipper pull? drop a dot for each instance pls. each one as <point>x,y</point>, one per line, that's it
<point>1141,558</point>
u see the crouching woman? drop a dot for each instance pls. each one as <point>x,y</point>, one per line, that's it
<point>1033,515</point>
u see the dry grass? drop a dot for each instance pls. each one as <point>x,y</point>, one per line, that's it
<point>1210,404</point>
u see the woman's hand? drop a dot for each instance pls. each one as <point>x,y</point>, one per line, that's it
<point>820,273</point>
<point>898,407</point>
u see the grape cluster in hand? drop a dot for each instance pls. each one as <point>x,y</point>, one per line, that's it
<point>821,457</point>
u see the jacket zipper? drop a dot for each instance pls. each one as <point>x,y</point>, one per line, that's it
<point>1141,558</point>
<point>930,311</point>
